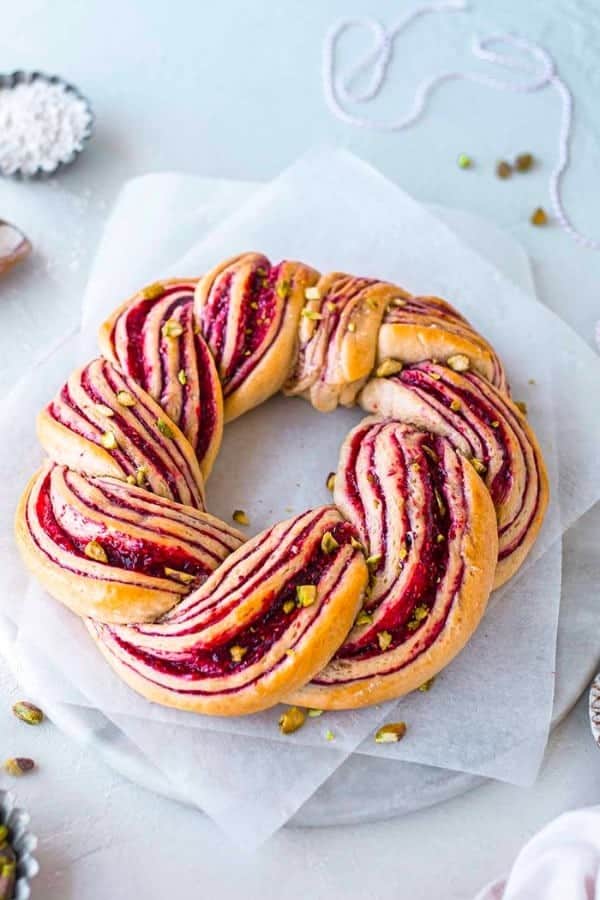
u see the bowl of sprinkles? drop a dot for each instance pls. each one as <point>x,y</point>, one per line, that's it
<point>45,124</point>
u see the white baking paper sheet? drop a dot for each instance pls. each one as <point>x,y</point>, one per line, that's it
<point>489,712</point>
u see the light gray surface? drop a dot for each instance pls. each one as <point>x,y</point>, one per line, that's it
<point>232,89</point>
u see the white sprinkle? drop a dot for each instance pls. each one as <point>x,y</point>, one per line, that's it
<point>41,125</point>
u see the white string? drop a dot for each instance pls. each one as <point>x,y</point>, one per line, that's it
<point>534,62</point>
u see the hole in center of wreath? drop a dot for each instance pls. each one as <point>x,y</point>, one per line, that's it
<point>275,459</point>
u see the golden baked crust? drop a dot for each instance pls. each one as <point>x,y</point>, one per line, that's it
<point>430,528</point>
<point>114,551</point>
<point>248,310</point>
<point>153,338</point>
<point>485,426</point>
<point>233,646</point>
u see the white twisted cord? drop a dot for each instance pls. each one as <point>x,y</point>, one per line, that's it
<point>538,65</point>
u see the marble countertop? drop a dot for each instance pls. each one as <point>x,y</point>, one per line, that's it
<point>233,90</point>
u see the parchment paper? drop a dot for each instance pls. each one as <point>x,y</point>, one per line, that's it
<point>490,710</point>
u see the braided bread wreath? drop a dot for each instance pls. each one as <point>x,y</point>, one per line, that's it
<point>438,497</point>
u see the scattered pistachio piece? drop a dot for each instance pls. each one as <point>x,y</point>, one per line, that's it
<point>388,367</point>
<point>291,720</point>
<point>104,410</point>
<point>354,542</point>
<point>427,685</point>
<point>520,404</point>
<point>464,161</point>
<point>311,314</point>
<point>440,502</point>
<point>141,474</point>
<point>109,440</point>
<point>331,307</point>
<point>18,765</point>
<point>184,577</point>
<point>440,538</point>
<point>363,618</point>
<point>430,452</point>
<point>164,428</point>
<point>495,423</point>
<point>330,483</point>
<point>283,289</point>
<point>254,305</point>
<point>315,713</point>
<point>503,169</point>
<point>328,543</point>
<point>29,713</point>
<point>3,834</point>
<point>237,653</point>
<point>391,733</point>
<point>538,216</point>
<point>288,607</point>
<point>290,653</point>
<point>329,735</point>
<point>172,329</point>
<point>124,398</point>
<point>94,550</point>
<point>420,613</point>
<point>153,291</point>
<point>479,467</point>
<point>130,479</point>
<point>306,594</point>
<point>403,552</point>
<point>524,162</point>
<point>182,377</point>
<point>352,327</point>
<point>373,561</point>
<point>312,293</point>
<point>384,639</point>
<point>240,517</point>
<point>455,405</point>
<point>459,362</point>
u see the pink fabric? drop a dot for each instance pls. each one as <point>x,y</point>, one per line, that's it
<point>562,862</point>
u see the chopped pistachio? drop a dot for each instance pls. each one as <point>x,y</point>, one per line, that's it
<point>94,550</point>
<point>390,733</point>
<point>430,453</point>
<point>124,398</point>
<point>141,474</point>
<point>314,713</point>
<point>331,307</point>
<point>373,561</point>
<point>172,329</point>
<point>403,552</point>
<point>330,483</point>
<point>109,440</point>
<point>440,538</point>
<point>329,735</point>
<point>384,639</point>
<point>182,377</point>
<point>495,423</point>
<point>29,713</point>
<point>352,327</point>
<point>130,479</point>
<point>3,834</point>
<point>520,404</point>
<point>306,594</point>
<point>388,367</point>
<point>328,543</point>
<point>19,765</point>
<point>455,405</point>
<point>237,653</point>
<point>479,467</point>
<point>288,607</point>
<point>290,653</point>
<point>354,542</point>
<point>104,410</point>
<point>420,613</point>
<point>153,291</point>
<point>283,289</point>
<point>291,720</point>
<point>311,314</point>
<point>459,362</point>
<point>164,428</point>
<point>254,305</point>
<point>184,577</point>
<point>363,618</point>
<point>464,161</point>
<point>427,685</point>
<point>440,502</point>
<point>312,293</point>
<point>240,517</point>
<point>435,375</point>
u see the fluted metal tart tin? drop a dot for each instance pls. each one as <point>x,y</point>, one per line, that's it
<point>595,708</point>
<point>11,80</point>
<point>22,841</point>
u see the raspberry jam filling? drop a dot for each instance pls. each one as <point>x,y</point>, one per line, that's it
<point>256,638</point>
<point>122,550</point>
